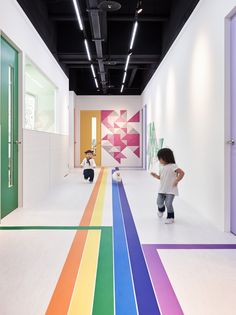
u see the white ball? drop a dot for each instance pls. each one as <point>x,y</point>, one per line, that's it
<point>116,176</point>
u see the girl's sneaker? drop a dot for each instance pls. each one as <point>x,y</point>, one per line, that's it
<point>161,211</point>
<point>169,221</point>
<point>160,214</point>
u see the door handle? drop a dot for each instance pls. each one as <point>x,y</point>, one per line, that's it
<point>231,141</point>
<point>17,142</point>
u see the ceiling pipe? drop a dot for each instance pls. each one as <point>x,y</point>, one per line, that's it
<point>119,18</point>
<point>96,18</point>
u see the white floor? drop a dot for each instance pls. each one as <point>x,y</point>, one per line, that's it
<point>203,280</point>
<point>190,227</point>
<point>30,265</point>
<point>31,261</point>
<point>64,206</point>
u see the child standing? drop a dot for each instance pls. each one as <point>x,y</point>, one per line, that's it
<point>88,165</point>
<point>170,176</point>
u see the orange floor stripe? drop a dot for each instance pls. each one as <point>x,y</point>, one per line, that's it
<point>61,297</point>
<point>88,213</point>
<point>60,300</point>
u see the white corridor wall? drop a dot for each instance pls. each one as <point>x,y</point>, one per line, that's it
<point>72,129</point>
<point>35,184</point>
<point>186,99</point>
<point>44,164</point>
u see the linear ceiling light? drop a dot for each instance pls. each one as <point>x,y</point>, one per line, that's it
<point>139,10</point>
<point>87,49</point>
<point>93,71</point>
<point>78,15</point>
<point>96,82</point>
<point>122,88</point>
<point>133,35</point>
<point>124,78</point>
<point>127,61</point>
<point>139,7</point>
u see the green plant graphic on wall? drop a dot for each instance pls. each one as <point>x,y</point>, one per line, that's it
<point>154,145</point>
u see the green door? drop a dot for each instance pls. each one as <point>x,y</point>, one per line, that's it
<point>9,128</point>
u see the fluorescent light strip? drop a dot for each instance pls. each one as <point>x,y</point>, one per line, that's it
<point>93,71</point>
<point>133,34</point>
<point>124,78</point>
<point>78,15</point>
<point>87,49</point>
<point>127,62</point>
<point>122,88</point>
<point>96,82</point>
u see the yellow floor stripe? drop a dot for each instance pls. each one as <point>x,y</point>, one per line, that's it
<point>83,294</point>
<point>98,210</point>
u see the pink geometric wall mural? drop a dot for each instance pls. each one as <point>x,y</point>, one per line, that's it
<point>120,133</point>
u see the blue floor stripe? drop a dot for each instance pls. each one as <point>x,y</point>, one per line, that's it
<point>145,296</point>
<point>124,291</point>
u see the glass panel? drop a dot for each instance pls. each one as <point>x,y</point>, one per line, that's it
<point>40,100</point>
<point>30,107</point>
<point>94,134</point>
<point>10,125</point>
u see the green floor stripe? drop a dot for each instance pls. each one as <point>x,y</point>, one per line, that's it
<point>104,297</point>
<point>103,228</point>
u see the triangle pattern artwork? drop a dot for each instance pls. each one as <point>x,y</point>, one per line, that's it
<point>120,134</point>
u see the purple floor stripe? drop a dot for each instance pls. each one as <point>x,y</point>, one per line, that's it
<point>145,295</point>
<point>191,246</point>
<point>167,299</point>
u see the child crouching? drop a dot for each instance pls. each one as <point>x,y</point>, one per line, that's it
<point>88,165</point>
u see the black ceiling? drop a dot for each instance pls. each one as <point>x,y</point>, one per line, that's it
<point>159,24</point>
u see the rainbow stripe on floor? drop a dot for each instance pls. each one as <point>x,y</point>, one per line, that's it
<point>107,270</point>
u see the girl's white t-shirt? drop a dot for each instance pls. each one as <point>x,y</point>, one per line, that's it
<point>86,165</point>
<point>167,178</point>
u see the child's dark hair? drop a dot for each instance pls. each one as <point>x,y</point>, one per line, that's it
<point>166,155</point>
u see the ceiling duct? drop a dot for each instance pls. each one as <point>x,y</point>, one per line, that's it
<point>98,25</point>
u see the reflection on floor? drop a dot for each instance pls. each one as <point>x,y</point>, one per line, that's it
<point>100,249</point>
